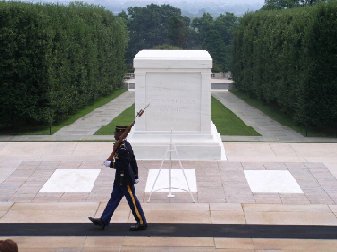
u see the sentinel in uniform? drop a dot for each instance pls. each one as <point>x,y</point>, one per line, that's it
<point>125,177</point>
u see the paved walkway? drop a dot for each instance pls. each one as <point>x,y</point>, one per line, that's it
<point>102,116</point>
<point>267,127</point>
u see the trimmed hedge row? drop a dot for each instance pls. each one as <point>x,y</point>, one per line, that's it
<point>55,59</point>
<point>289,58</point>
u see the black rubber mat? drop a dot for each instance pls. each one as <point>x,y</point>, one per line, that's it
<point>171,230</point>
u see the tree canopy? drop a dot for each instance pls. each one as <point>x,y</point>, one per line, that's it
<point>283,4</point>
<point>287,58</point>
<point>216,36</point>
<point>55,59</point>
<point>154,27</point>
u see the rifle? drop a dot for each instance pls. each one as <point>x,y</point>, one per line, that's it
<point>125,133</point>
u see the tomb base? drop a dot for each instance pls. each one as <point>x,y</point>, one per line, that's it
<point>189,145</point>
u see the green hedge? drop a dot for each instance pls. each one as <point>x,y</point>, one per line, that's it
<point>288,58</point>
<point>55,59</point>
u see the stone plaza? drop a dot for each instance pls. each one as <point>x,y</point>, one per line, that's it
<point>223,197</point>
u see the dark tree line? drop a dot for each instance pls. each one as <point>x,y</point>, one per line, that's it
<point>288,58</point>
<point>164,26</point>
<point>56,59</point>
<point>216,36</point>
<point>155,25</point>
<point>282,4</point>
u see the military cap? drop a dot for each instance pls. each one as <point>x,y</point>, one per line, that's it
<point>120,128</point>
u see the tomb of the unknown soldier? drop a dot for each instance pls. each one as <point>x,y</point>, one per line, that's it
<point>177,85</point>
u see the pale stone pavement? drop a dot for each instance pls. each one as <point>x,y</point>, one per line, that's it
<point>223,197</point>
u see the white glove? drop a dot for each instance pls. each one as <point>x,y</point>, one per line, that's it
<point>136,181</point>
<point>107,163</point>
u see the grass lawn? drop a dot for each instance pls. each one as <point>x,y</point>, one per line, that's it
<point>228,123</point>
<point>282,118</point>
<point>124,118</point>
<point>225,120</point>
<point>45,130</point>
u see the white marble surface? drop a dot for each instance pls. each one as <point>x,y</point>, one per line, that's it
<point>179,95</point>
<point>177,85</point>
<point>175,101</point>
<point>71,180</point>
<point>275,181</point>
<point>177,180</point>
<point>173,59</point>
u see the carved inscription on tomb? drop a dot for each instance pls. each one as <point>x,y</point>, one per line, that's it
<point>175,101</point>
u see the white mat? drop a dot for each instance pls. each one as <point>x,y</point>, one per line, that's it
<point>275,181</point>
<point>71,180</point>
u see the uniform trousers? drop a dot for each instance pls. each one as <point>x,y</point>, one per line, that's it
<point>118,192</point>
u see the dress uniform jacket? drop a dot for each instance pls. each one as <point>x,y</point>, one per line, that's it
<point>125,165</point>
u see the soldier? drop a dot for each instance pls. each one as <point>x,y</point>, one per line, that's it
<point>126,176</point>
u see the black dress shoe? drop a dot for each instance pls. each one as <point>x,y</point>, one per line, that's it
<point>138,226</point>
<point>97,222</point>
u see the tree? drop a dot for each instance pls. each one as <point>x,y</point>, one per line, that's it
<point>178,31</point>
<point>216,36</point>
<point>155,25</point>
<point>279,4</point>
<point>283,4</point>
<point>124,16</point>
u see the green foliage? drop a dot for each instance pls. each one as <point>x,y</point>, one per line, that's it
<point>55,59</point>
<point>155,25</point>
<point>279,4</point>
<point>283,4</point>
<point>216,36</point>
<point>167,47</point>
<point>288,58</point>
<point>227,123</point>
<point>124,118</point>
<point>51,129</point>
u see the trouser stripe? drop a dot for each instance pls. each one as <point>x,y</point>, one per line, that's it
<point>134,203</point>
